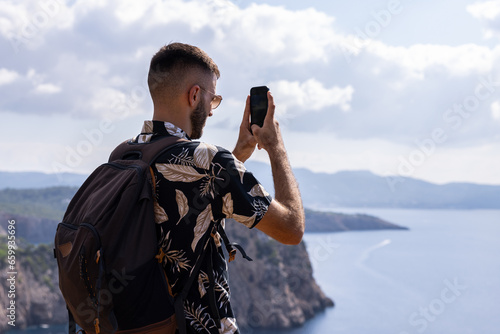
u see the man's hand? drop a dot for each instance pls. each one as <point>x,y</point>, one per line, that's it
<point>269,136</point>
<point>284,219</point>
<point>245,146</point>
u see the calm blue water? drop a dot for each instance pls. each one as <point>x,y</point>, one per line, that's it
<point>399,282</point>
<point>59,329</point>
<point>440,277</point>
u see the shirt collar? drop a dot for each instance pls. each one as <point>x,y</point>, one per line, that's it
<point>159,128</point>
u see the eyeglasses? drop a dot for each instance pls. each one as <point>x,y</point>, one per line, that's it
<point>216,100</point>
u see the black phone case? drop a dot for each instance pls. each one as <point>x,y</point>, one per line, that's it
<point>258,105</point>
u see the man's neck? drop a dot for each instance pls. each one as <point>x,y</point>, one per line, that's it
<point>176,119</point>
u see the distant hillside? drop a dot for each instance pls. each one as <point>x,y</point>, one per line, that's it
<point>364,189</point>
<point>38,211</point>
<point>317,221</point>
<point>327,191</point>
<point>30,180</point>
<point>47,203</point>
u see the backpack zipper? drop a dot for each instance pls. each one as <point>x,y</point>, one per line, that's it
<point>137,168</point>
<point>86,225</point>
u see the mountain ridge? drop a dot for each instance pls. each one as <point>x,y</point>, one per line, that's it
<point>363,188</point>
<point>358,189</point>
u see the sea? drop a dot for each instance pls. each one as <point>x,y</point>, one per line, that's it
<point>442,276</point>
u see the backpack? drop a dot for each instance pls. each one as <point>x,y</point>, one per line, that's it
<point>110,271</point>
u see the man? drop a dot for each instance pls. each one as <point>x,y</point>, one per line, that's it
<point>198,182</point>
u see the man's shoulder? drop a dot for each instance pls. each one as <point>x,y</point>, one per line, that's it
<point>197,150</point>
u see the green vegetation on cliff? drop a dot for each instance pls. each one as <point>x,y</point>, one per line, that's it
<point>47,203</point>
<point>38,211</point>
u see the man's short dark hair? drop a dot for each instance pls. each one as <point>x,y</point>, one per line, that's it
<point>171,63</point>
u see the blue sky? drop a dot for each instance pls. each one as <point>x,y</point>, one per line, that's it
<point>404,88</point>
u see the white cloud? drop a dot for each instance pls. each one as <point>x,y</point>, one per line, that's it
<point>311,95</point>
<point>110,43</point>
<point>488,10</point>
<point>98,52</point>
<point>113,104</point>
<point>129,11</point>
<point>7,76</point>
<point>271,34</point>
<point>287,36</point>
<point>47,88</point>
<point>261,30</point>
<point>459,60</point>
<point>25,24</point>
<point>495,110</point>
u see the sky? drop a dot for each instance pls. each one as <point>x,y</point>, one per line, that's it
<point>400,87</point>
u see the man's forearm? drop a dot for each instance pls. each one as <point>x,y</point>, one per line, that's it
<point>284,219</point>
<point>286,189</point>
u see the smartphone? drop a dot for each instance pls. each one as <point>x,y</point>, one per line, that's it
<point>258,105</point>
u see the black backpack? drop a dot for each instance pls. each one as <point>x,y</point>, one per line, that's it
<point>110,271</point>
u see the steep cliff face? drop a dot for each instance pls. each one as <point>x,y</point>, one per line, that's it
<point>36,230</point>
<point>277,288</point>
<point>37,297</point>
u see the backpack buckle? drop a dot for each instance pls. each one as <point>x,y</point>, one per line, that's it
<point>232,254</point>
<point>160,256</point>
<point>96,326</point>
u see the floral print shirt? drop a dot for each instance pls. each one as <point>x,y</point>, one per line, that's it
<point>197,183</point>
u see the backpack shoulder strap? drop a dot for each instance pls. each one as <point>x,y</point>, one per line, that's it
<point>147,152</point>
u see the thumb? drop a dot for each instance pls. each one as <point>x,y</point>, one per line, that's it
<point>270,108</point>
<point>246,114</point>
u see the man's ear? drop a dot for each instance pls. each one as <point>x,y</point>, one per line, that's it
<point>194,95</point>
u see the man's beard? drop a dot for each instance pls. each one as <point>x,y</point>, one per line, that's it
<point>198,120</point>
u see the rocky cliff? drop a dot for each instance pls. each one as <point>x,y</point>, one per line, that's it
<point>276,290</point>
<point>37,298</point>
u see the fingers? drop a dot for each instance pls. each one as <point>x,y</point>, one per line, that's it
<point>254,128</point>
<point>270,108</point>
<point>266,135</point>
<point>245,123</point>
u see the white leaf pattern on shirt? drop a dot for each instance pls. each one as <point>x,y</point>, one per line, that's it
<point>194,172</point>
<point>182,204</point>
<point>148,127</point>
<point>174,130</point>
<point>222,287</point>
<point>260,208</point>
<point>176,257</point>
<point>160,214</point>
<point>204,154</point>
<point>227,205</point>
<point>245,220</point>
<point>182,158</point>
<point>202,281</point>
<point>258,190</point>
<point>178,173</point>
<point>228,326</point>
<point>240,167</point>
<point>199,319</point>
<point>202,224</point>
<point>207,186</point>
